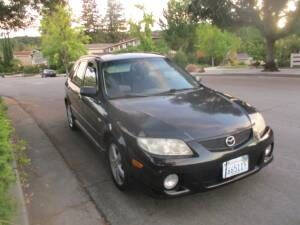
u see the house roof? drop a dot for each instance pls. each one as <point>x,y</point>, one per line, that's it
<point>99,46</point>
<point>244,56</point>
<point>124,56</point>
<point>23,53</point>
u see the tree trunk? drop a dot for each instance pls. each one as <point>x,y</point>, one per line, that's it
<point>270,55</point>
<point>212,61</point>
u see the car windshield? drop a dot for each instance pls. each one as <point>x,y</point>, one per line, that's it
<point>144,77</point>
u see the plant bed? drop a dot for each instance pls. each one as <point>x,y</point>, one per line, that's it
<point>11,149</point>
<point>7,176</point>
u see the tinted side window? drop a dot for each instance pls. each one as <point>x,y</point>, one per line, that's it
<point>90,79</point>
<point>79,74</point>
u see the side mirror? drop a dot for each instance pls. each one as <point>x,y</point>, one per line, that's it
<point>197,76</point>
<point>199,79</point>
<point>88,91</point>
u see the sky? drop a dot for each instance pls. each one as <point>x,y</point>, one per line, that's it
<point>130,12</point>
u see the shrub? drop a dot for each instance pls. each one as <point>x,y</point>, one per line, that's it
<point>61,70</point>
<point>14,67</point>
<point>6,172</point>
<point>181,59</point>
<point>31,69</point>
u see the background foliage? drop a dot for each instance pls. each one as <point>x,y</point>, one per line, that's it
<point>61,43</point>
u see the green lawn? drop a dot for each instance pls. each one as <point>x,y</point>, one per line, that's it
<point>7,176</point>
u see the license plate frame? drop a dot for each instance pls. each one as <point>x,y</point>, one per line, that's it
<point>235,166</point>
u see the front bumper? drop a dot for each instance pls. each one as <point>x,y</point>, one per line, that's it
<point>201,173</point>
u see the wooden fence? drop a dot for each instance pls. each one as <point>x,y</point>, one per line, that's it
<point>295,60</point>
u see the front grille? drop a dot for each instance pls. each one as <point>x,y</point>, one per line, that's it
<point>219,144</point>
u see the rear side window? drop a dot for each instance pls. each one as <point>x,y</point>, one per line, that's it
<point>79,74</point>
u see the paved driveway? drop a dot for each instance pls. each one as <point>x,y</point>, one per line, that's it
<point>271,197</point>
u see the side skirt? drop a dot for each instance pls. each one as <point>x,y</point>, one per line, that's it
<point>99,147</point>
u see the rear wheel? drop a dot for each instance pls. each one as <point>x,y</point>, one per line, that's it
<point>70,117</point>
<point>119,171</point>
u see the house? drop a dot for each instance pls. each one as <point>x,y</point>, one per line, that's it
<point>37,58</point>
<point>24,57</point>
<point>94,49</point>
<point>103,48</point>
<point>30,58</point>
<point>244,58</point>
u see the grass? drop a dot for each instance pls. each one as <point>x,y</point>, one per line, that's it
<point>7,176</point>
<point>10,148</point>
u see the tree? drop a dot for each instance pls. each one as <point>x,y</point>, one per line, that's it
<point>61,43</point>
<point>265,15</point>
<point>90,16</point>
<point>18,14</point>
<point>143,30</point>
<point>7,51</point>
<point>215,43</point>
<point>178,29</point>
<point>114,21</point>
<point>285,47</point>
<point>252,42</point>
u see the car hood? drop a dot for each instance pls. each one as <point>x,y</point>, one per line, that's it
<point>190,115</point>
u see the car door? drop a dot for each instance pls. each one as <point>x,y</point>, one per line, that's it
<point>75,83</point>
<point>95,113</point>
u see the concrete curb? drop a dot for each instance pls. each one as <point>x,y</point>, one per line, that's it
<point>16,191</point>
<point>250,75</point>
<point>18,194</point>
<point>56,195</point>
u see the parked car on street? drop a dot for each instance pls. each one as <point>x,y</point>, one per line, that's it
<point>48,73</point>
<point>161,127</point>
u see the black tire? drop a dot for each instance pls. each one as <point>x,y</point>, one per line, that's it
<point>123,182</point>
<point>70,117</point>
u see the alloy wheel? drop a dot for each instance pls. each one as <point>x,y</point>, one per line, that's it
<point>115,161</point>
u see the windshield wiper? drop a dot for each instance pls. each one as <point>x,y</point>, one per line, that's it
<point>130,96</point>
<point>174,90</point>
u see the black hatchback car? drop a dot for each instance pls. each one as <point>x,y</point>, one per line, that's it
<point>161,127</point>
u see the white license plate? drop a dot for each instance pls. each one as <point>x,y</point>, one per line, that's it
<point>235,166</point>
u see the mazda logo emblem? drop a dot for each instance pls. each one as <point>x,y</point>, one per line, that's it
<point>230,141</point>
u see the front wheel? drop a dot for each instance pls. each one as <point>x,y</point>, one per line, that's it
<point>119,171</point>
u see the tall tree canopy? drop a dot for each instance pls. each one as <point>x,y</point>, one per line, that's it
<point>265,15</point>
<point>178,29</point>
<point>143,30</point>
<point>215,43</point>
<point>90,16</point>
<point>61,43</point>
<point>252,43</point>
<point>17,14</point>
<point>114,21</point>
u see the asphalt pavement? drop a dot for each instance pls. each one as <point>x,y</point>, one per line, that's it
<point>271,197</point>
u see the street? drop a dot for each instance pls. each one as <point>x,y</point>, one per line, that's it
<point>271,197</point>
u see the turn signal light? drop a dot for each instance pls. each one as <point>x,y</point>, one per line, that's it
<point>137,164</point>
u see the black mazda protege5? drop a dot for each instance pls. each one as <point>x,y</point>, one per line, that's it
<point>161,127</point>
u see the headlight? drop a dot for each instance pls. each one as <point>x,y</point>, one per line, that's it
<point>159,146</point>
<point>258,124</point>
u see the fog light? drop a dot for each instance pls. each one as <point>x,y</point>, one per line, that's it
<point>171,181</point>
<point>268,151</point>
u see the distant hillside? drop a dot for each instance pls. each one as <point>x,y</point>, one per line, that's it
<point>25,43</point>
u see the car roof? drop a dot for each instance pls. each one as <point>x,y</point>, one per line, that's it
<point>123,56</point>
